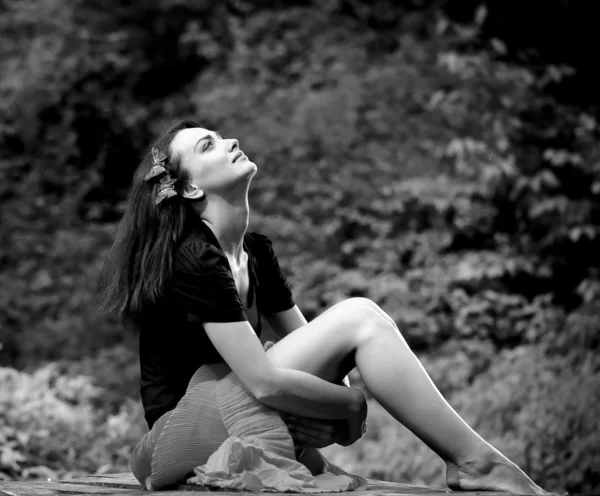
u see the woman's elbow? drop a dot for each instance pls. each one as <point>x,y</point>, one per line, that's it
<point>266,390</point>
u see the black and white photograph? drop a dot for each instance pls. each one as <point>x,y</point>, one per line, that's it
<point>299,246</point>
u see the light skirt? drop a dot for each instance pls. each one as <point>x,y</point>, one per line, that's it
<point>220,435</point>
<point>185,437</point>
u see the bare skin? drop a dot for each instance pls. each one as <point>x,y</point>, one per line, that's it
<point>357,332</point>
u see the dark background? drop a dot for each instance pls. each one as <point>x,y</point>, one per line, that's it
<point>438,157</point>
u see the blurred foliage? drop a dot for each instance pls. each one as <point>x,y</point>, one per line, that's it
<point>50,428</point>
<point>430,155</point>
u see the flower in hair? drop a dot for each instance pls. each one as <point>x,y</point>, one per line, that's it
<point>165,187</point>
<point>158,167</point>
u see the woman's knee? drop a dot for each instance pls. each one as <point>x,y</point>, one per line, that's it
<point>357,310</point>
<point>369,311</point>
<point>366,318</point>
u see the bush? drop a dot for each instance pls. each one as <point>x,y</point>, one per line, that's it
<point>49,426</point>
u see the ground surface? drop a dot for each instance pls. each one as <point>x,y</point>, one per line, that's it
<point>125,483</point>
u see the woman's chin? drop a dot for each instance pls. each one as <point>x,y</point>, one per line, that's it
<point>245,160</point>
<point>247,163</point>
<point>246,170</point>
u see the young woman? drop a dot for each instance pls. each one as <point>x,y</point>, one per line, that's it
<point>186,273</point>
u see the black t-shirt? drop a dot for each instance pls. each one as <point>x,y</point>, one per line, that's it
<point>173,342</point>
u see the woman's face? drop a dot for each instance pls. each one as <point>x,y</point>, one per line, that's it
<point>215,164</point>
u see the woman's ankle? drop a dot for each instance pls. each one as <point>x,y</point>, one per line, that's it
<point>480,455</point>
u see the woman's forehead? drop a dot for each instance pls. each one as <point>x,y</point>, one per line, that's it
<point>186,139</point>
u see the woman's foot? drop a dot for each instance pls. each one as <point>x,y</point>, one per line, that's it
<point>491,472</point>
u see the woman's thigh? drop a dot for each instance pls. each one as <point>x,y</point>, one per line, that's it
<point>325,346</point>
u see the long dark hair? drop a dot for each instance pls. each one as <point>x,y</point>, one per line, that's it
<point>140,261</point>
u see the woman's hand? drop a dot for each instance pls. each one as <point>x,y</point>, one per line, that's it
<point>318,433</point>
<point>310,432</point>
<point>356,424</point>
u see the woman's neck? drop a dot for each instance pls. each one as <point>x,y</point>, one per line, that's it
<point>229,222</point>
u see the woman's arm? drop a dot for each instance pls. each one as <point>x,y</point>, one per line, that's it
<point>286,322</point>
<point>288,390</point>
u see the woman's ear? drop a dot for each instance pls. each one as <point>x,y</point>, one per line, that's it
<point>193,192</point>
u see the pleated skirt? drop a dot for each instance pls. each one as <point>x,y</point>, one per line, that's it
<point>215,406</point>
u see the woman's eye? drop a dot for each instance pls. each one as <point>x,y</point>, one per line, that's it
<point>208,143</point>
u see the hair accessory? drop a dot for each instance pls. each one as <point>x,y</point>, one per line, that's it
<point>165,187</point>
<point>158,159</point>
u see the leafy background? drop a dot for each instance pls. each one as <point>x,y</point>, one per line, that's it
<point>439,157</point>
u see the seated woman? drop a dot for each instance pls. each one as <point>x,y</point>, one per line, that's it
<point>186,273</point>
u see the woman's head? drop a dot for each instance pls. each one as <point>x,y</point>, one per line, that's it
<point>213,165</point>
<point>199,163</point>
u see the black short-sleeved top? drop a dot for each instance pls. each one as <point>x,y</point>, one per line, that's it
<point>173,342</point>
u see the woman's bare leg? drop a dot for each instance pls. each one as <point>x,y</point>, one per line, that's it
<point>356,332</point>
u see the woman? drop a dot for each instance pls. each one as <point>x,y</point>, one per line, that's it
<point>184,270</point>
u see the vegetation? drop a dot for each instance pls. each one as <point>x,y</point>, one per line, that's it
<point>430,155</point>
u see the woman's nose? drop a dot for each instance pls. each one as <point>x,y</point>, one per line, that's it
<point>235,144</point>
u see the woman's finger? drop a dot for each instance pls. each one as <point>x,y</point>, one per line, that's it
<point>305,439</point>
<point>311,433</point>
<point>317,429</point>
<point>332,433</point>
<point>315,424</point>
<point>309,441</point>
<point>311,437</point>
<point>301,441</point>
<point>314,433</point>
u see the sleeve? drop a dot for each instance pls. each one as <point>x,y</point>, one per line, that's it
<point>275,294</point>
<point>203,285</point>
